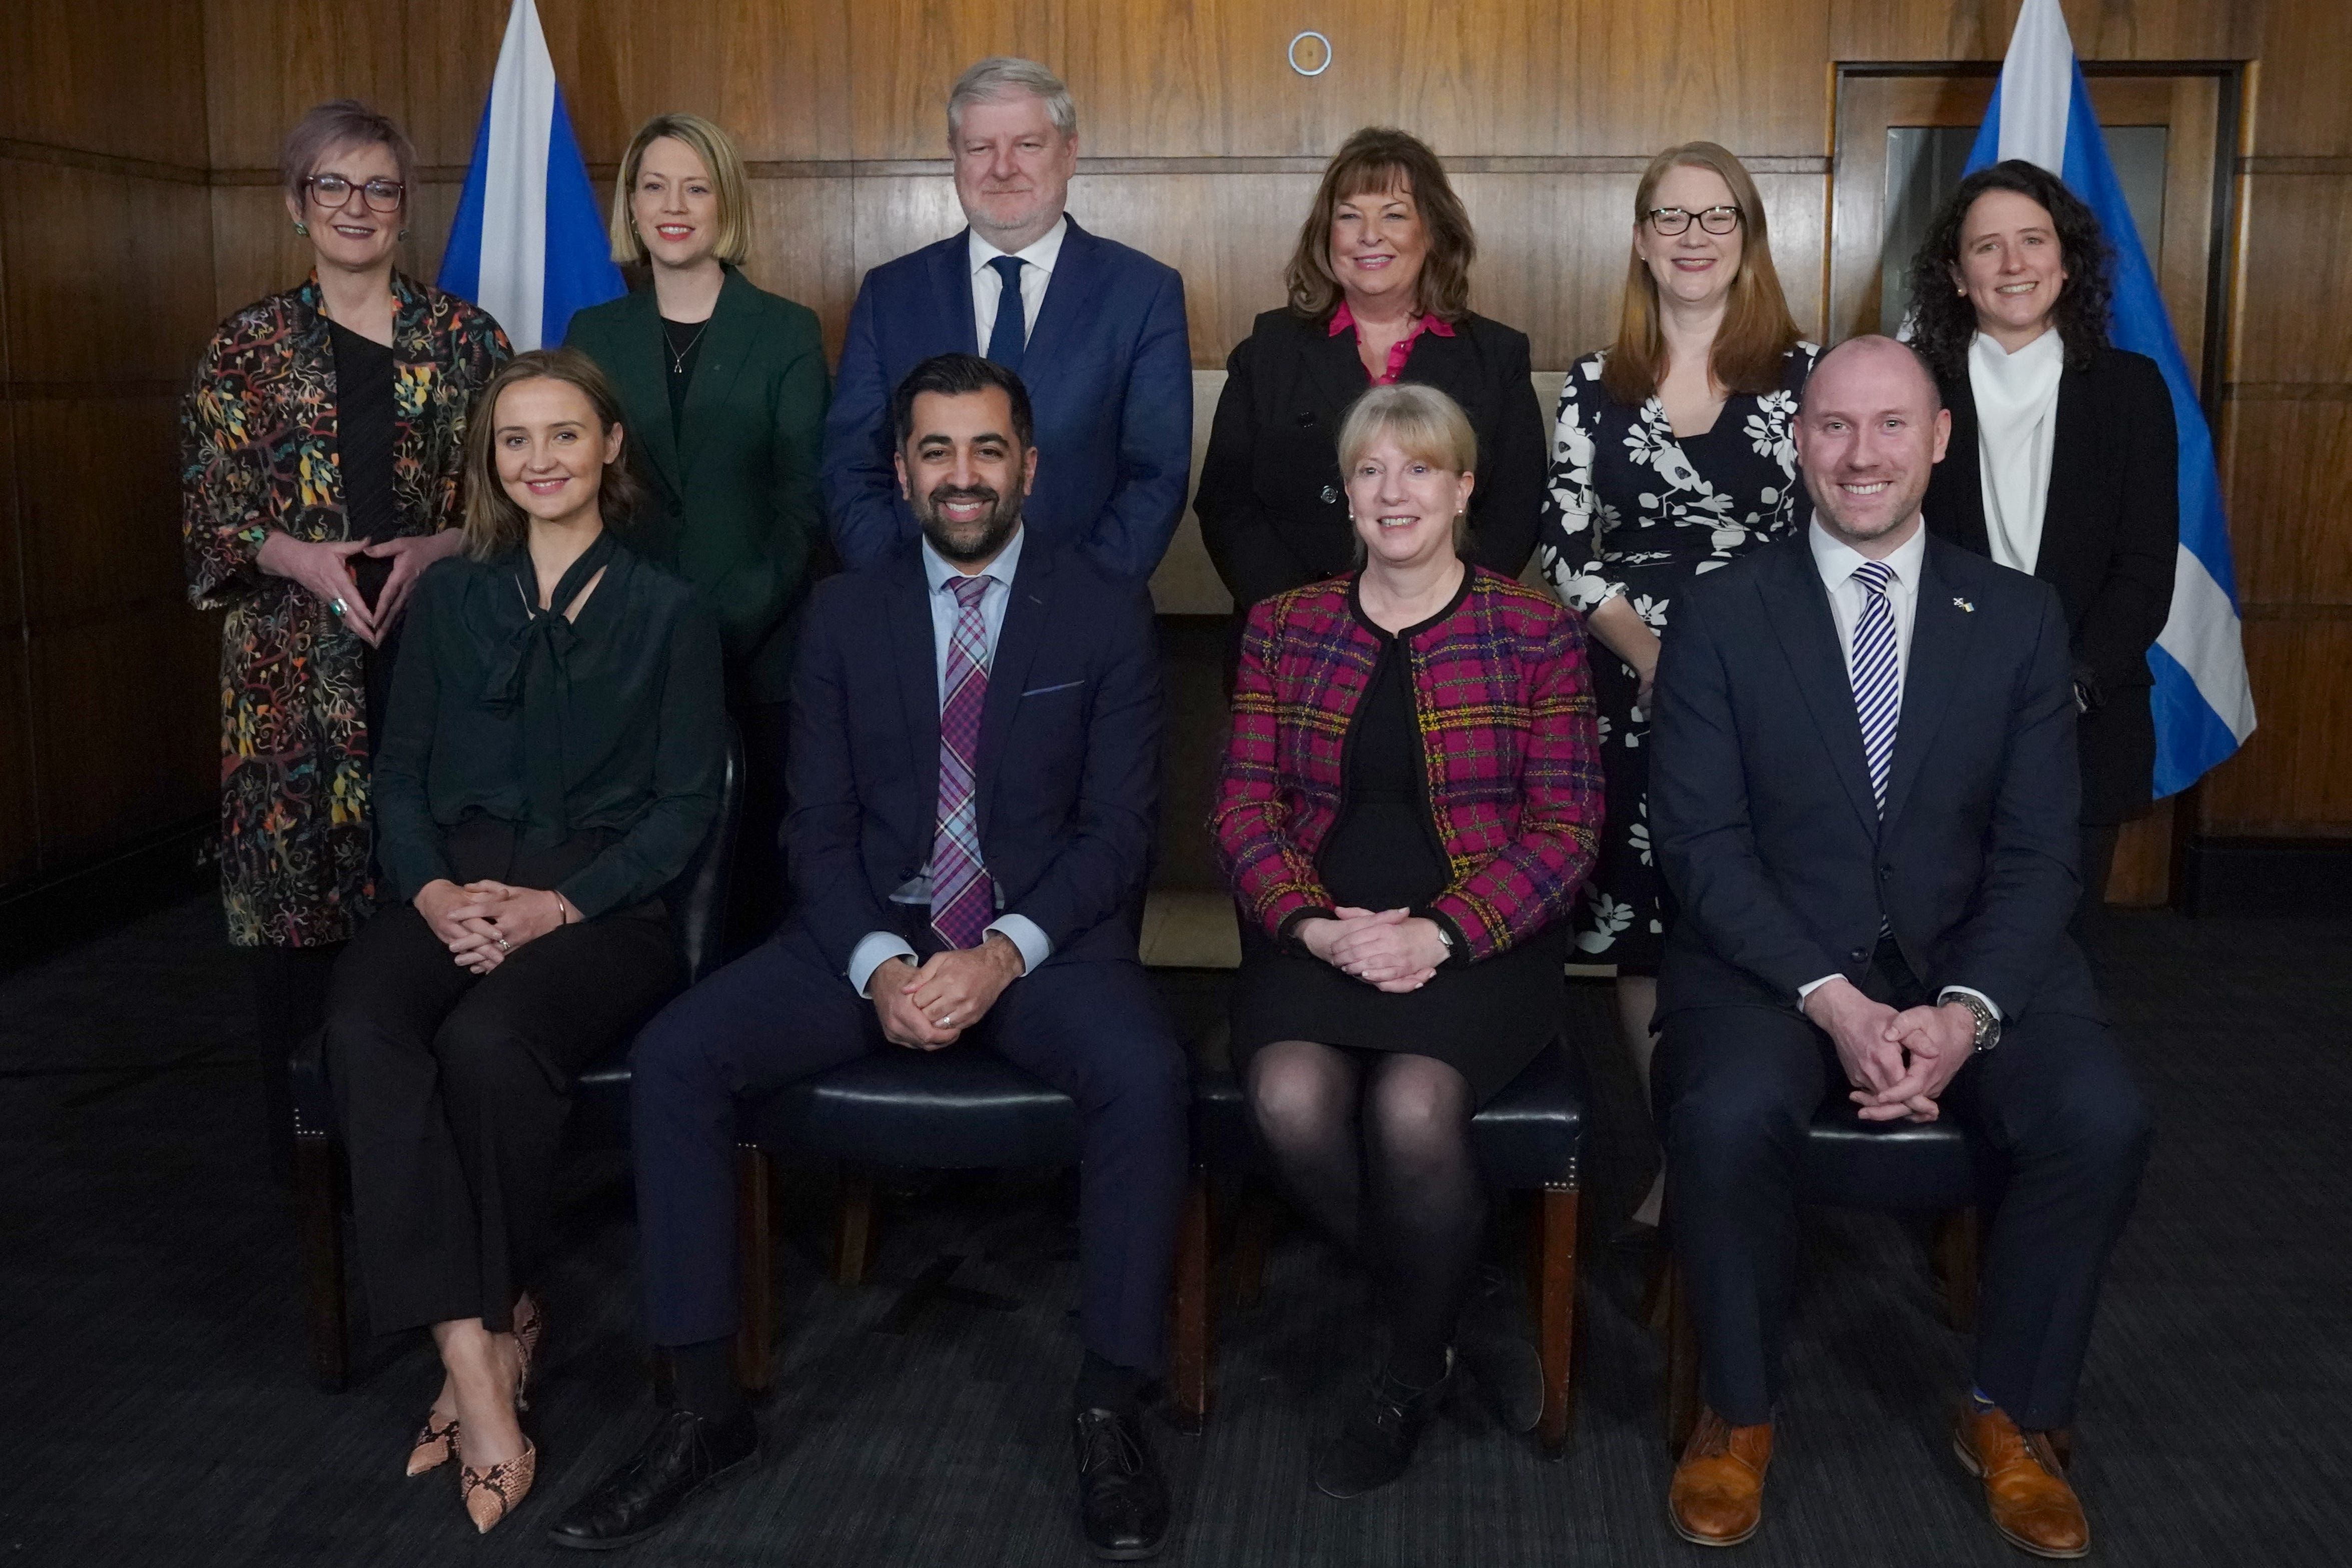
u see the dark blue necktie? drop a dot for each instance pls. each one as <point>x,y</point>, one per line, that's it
<point>1011,333</point>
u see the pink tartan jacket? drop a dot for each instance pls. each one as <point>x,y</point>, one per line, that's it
<point>1513,770</point>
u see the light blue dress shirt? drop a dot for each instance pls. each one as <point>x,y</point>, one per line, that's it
<point>876,947</point>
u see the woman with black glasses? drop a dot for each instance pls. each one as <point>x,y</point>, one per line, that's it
<point>1671,455</point>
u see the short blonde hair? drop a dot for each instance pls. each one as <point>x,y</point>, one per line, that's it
<point>729,186</point>
<point>1423,420</point>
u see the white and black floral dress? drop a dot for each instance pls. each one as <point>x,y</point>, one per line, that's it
<point>1632,508</point>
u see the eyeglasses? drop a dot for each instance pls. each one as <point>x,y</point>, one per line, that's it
<point>1674,220</point>
<point>331,191</point>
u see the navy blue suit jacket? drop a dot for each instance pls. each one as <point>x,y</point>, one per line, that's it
<point>1109,370</point>
<point>1068,769</point>
<point>1761,804</point>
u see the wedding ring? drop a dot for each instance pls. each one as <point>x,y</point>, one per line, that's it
<point>501,942</point>
<point>945,1019</point>
<point>337,606</point>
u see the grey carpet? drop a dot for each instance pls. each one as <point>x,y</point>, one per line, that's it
<point>158,1410</point>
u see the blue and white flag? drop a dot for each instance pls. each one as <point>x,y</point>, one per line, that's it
<point>528,244</point>
<point>2042,112</point>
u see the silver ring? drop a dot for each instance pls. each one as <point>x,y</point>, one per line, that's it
<point>945,1019</point>
<point>337,606</point>
<point>501,942</point>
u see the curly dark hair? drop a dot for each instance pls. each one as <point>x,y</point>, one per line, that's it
<point>1943,322</point>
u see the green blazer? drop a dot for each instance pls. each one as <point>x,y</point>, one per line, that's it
<point>737,498</point>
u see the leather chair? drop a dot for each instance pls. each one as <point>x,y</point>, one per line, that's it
<point>1529,1137</point>
<point>1929,1167</point>
<point>599,1094</point>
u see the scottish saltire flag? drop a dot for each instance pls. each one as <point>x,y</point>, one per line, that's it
<point>528,244</point>
<point>2042,112</point>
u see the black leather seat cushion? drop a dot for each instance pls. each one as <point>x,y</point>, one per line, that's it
<point>1528,1135</point>
<point>961,1109</point>
<point>1887,1166</point>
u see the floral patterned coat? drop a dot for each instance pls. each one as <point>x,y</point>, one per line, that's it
<point>258,452</point>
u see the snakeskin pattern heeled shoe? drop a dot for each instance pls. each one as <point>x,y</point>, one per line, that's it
<point>490,1495</point>
<point>528,1332</point>
<point>435,1446</point>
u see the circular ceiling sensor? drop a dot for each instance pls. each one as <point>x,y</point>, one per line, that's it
<point>1310,54</point>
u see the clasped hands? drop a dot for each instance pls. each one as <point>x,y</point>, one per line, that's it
<point>1900,1063</point>
<point>483,922</point>
<point>1393,950</point>
<point>930,1006</point>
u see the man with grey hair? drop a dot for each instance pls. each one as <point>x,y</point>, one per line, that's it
<point>1093,329</point>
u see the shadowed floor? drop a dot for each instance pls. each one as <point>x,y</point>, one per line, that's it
<point>159,1410</point>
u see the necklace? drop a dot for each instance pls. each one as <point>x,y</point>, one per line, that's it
<point>677,356</point>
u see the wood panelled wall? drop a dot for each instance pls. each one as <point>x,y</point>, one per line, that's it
<point>140,202</point>
<point>107,697</point>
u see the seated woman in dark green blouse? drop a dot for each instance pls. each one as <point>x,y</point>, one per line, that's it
<point>553,762</point>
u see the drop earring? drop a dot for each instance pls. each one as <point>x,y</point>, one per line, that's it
<point>301,229</point>
<point>402,235</point>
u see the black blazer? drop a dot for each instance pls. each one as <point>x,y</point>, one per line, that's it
<point>2110,537</point>
<point>1069,768</point>
<point>736,504</point>
<point>1761,808</point>
<point>1271,511</point>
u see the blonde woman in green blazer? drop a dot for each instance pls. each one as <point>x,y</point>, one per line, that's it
<point>724,389</point>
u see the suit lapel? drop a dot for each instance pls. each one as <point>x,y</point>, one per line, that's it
<point>1025,615</point>
<point>919,676</point>
<point>1070,296</point>
<point>730,339</point>
<point>1338,373</point>
<point>1799,608</point>
<point>1942,629</point>
<point>951,288</point>
<point>2063,509</point>
<point>641,356</point>
<point>1964,522</point>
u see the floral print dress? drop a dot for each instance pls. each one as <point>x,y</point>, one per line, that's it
<point>1633,508</point>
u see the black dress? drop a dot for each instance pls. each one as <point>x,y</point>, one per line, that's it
<point>1485,1020</point>
<point>1635,509</point>
<point>365,431</point>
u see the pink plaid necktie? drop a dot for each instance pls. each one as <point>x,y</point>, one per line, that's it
<point>962,900</point>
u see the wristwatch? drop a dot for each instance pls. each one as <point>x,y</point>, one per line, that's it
<point>1988,1030</point>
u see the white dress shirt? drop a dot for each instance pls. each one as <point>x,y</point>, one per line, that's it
<point>1837,561</point>
<point>876,948</point>
<point>1037,272</point>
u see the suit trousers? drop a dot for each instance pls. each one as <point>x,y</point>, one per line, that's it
<point>1095,1030</point>
<point>452,1091</point>
<point>2052,1103</point>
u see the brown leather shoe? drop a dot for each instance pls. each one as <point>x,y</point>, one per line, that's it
<point>1718,1495</point>
<point>2025,1486</point>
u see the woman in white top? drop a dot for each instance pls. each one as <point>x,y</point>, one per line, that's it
<point>2063,459</point>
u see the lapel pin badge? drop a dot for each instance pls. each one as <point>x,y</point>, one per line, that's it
<point>1964,605</point>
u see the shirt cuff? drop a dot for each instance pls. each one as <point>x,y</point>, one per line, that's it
<point>1025,934</point>
<point>1809,987</point>
<point>874,950</point>
<point>1970,990</point>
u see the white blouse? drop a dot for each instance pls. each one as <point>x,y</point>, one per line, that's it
<point>2017,419</point>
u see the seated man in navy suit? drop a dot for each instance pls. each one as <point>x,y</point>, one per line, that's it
<point>975,756</point>
<point>1096,332</point>
<point>1864,797</point>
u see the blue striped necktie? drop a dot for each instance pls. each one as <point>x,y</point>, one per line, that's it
<point>1877,674</point>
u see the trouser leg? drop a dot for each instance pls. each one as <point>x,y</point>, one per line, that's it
<point>1097,1032</point>
<point>1735,1089</point>
<point>779,1013</point>
<point>291,986</point>
<point>2055,1100</point>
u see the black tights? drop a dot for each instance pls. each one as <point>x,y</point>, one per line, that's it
<point>1402,1194</point>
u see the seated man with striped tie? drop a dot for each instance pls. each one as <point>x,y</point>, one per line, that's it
<point>1863,799</point>
<point>975,759</point>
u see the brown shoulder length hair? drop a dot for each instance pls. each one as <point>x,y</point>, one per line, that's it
<point>1374,162</point>
<point>1757,330</point>
<point>494,523</point>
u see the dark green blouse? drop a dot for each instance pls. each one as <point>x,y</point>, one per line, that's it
<point>618,721</point>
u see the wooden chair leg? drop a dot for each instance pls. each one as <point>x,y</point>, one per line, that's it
<point>1957,1242</point>
<point>853,1235</point>
<point>755,1254</point>
<point>1192,1339</point>
<point>1681,1360</point>
<point>319,1217</point>
<point>1555,1246</point>
<point>1253,1237</point>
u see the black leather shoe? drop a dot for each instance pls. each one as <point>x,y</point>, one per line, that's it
<point>1377,1443</point>
<point>682,1455</point>
<point>1122,1496</point>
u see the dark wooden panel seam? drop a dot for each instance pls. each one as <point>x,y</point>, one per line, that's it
<point>104,162</point>
<point>2286,391</point>
<point>2289,610</point>
<point>2260,165</point>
